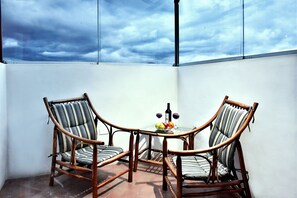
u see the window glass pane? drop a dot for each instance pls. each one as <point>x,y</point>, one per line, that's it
<point>210,29</point>
<point>270,26</point>
<point>139,31</point>
<point>49,30</point>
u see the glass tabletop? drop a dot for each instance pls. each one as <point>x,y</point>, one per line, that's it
<point>176,130</point>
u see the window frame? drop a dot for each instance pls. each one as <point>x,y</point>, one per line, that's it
<point>1,45</point>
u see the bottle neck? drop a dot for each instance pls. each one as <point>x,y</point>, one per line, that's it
<point>168,106</point>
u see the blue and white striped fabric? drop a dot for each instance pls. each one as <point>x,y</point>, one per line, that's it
<point>197,167</point>
<point>76,118</point>
<point>228,121</point>
<point>85,155</point>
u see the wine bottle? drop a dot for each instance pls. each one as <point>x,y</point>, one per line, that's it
<point>168,114</point>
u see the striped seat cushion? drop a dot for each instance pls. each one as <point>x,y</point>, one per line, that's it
<point>85,155</point>
<point>197,167</point>
<point>77,118</point>
<point>228,121</point>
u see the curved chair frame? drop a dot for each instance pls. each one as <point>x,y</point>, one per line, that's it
<point>213,183</point>
<point>71,168</point>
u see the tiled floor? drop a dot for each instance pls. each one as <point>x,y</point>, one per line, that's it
<point>147,183</point>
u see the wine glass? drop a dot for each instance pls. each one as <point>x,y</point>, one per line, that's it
<point>159,115</point>
<point>175,116</point>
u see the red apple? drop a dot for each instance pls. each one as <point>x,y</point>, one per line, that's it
<point>165,125</point>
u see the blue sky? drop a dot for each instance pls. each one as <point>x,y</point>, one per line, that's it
<point>142,31</point>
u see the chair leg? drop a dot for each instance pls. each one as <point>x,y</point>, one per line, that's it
<point>179,178</point>
<point>52,175</point>
<point>246,186</point>
<point>164,184</point>
<point>94,172</point>
<point>94,182</point>
<point>136,152</point>
<point>54,158</point>
<point>243,172</point>
<point>165,167</point>
<point>130,175</point>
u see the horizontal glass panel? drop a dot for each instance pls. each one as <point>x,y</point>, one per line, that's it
<point>49,30</point>
<point>143,31</point>
<point>270,26</point>
<point>210,29</point>
<point>136,31</point>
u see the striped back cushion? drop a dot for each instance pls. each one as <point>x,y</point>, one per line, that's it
<point>75,117</point>
<point>228,121</point>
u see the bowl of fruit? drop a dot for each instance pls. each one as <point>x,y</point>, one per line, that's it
<point>164,126</point>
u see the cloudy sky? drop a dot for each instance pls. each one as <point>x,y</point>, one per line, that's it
<point>142,31</point>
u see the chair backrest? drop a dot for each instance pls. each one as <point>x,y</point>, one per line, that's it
<point>75,117</point>
<point>227,123</point>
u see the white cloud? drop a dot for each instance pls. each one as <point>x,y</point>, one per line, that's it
<point>58,54</point>
<point>10,42</point>
<point>91,55</point>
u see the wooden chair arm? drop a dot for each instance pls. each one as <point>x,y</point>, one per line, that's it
<point>199,151</point>
<point>117,127</point>
<point>198,129</point>
<point>105,121</point>
<point>188,135</point>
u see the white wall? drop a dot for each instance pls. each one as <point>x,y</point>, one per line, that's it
<point>271,148</point>
<point>126,95</point>
<point>3,126</point>
<point>131,95</point>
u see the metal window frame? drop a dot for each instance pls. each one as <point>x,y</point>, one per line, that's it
<point>1,46</point>
<point>176,33</point>
<point>281,53</point>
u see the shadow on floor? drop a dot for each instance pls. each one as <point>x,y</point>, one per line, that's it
<point>147,183</point>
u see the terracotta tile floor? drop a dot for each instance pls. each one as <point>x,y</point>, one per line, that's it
<point>147,183</point>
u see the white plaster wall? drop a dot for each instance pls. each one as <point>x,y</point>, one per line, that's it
<point>129,95</point>
<point>270,148</point>
<point>3,126</point>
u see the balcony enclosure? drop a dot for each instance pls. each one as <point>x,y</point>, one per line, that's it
<point>149,31</point>
<point>125,67</point>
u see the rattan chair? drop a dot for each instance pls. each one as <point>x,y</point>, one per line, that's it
<point>212,171</point>
<point>81,153</point>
